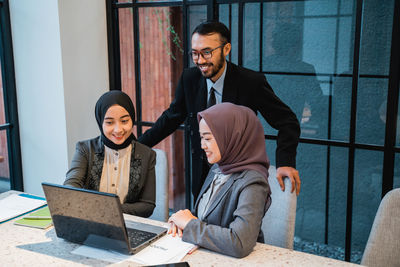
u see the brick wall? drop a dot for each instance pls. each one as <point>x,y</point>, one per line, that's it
<point>160,67</point>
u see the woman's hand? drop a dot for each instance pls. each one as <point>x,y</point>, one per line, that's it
<point>178,221</point>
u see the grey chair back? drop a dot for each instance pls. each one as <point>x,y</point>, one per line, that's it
<point>161,210</point>
<point>383,246</point>
<point>279,221</point>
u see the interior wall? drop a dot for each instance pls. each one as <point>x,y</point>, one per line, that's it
<point>60,58</point>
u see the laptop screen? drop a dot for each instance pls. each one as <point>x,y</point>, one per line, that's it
<point>87,217</point>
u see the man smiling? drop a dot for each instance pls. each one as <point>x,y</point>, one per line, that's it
<point>214,80</point>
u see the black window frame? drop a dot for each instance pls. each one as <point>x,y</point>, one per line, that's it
<point>389,147</point>
<point>10,99</point>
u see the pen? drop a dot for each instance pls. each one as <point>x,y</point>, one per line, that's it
<point>37,218</point>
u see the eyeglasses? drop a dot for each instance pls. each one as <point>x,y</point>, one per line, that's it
<point>206,54</point>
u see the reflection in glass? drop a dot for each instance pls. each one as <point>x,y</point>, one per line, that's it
<point>337,199</point>
<point>341,104</point>
<point>366,195</point>
<point>396,178</point>
<point>371,110</point>
<point>312,165</point>
<point>228,14</point>
<point>376,37</point>
<point>197,14</point>
<point>251,37</point>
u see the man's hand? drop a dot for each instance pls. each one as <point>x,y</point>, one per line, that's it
<point>292,174</point>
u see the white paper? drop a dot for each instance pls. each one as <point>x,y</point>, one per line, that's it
<point>167,249</point>
<point>100,254</point>
<point>14,205</point>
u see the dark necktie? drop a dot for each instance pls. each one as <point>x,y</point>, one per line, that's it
<point>211,101</point>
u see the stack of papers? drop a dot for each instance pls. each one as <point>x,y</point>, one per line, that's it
<point>17,204</point>
<point>167,249</point>
<point>38,219</point>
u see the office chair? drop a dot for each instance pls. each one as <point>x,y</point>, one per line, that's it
<point>161,210</point>
<point>279,221</point>
<point>383,246</point>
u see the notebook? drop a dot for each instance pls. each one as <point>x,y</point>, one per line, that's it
<point>95,219</point>
<point>37,219</point>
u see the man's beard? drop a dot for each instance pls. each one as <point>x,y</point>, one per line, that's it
<point>219,65</point>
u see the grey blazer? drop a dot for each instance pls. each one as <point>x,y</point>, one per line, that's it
<point>87,166</point>
<point>232,224</point>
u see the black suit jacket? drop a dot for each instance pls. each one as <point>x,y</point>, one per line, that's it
<point>242,87</point>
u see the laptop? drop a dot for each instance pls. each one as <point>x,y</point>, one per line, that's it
<point>95,219</point>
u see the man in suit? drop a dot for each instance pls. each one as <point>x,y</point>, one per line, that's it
<point>214,80</point>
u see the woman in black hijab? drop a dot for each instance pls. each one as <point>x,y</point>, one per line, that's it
<point>115,162</point>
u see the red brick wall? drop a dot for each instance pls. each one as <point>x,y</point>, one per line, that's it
<point>4,169</point>
<point>160,67</point>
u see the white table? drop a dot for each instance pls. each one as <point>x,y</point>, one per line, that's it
<point>25,246</point>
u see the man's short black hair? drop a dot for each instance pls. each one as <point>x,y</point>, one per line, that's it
<point>211,27</point>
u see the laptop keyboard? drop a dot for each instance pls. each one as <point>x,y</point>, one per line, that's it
<point>137,237</point>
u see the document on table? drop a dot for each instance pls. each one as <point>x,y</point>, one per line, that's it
<point>167,249</point>
<point>18,204</point>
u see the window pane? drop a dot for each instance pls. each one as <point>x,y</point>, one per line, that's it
<point>251,37</point>
<point>4,163</point>
<point>337,200</point>
<point>161,57</point>
<point>371,110</point>
<point>197,14</point>
<point>366,196</point>
<point>341,102</point>
<point>228,14</point>
<point>303,94</point>
<point>2,110</point>
<point>310,215</point>
<point>396,178</point>
<point>161,64</point>
<point>127,52</point>
<point>376,37</point>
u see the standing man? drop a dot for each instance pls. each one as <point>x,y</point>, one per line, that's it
<point>214,80</point>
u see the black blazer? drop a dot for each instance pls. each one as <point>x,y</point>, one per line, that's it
<point>87,167</point>
<point>242,87</point>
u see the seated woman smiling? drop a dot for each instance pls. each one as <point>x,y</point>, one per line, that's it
<point>235,194</point>
<point>115,162</point>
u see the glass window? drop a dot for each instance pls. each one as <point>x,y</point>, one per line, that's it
<point>396,178</point>
<point>371,110</point>
<point>229,14</point>
<point>197,14</point>
<point>337,199</point>
<point>366,196</point>
<point>312,165</point>
<point>251,37</point>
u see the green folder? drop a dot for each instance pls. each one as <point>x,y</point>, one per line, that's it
<point>38,219</point>
<point>40,213</point>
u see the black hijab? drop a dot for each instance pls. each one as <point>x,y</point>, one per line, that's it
<point>107,100</point>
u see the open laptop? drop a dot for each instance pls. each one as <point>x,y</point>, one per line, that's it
<point>95,219</point>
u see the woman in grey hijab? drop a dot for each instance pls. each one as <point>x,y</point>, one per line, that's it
<point>115,162</point>
<point>235,196</point>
